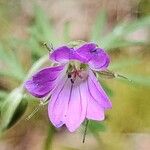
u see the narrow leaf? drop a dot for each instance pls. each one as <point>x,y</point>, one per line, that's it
<point>12,108</point>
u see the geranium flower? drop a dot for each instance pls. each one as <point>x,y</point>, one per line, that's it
<point>75,92</point>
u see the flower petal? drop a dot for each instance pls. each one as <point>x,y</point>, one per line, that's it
<point>97,92</point>
<point>76,107</point>
<point>100,60</point>
<point>84,51</point>
<point>93,111</point>
<point>58,105</point>
<point>96,57</point>
<point>43,82</point>
<point>62,54</point>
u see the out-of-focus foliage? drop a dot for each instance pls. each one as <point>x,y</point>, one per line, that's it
<point>12,108</point>
<point>13,67</point>
<point>117,37</point>
<point>13,104</point>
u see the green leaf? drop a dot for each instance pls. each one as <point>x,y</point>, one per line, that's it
<point>126,28</point>
<point>99,26</point>
<point>118,43</point>
<point>66,32</point>
<point>116,38</point>
<point>95,126</point>
<point>33,45</point>
<point>43,28</point>
<point>4,56</point>
<point>12,108</point>
<point>16,66</point>
<point>107,89</point>
<point>11,74</point>
<point>138,79</point>
<point>11,60</point>
<point>123,63</point>
<point>3,94</point>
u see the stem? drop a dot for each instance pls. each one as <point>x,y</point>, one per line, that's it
<point>48,139</point>
<point>85,131</point>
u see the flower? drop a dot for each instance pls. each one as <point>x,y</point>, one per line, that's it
<point>75,92</point>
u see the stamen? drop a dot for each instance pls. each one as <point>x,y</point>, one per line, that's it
<point>74,73</point>
<point>72,81</point>
<point>69,75</point>
<point>78,74</point>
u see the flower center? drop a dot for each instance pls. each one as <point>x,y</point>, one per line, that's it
<point>75,74</point>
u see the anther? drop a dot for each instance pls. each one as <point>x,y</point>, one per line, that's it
<point>69,75</point>
<point>72,81</point>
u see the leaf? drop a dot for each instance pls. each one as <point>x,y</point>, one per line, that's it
<point>126,28</point>
<point>66,32</point>
<point>95,126</point>
<point>3,54</point>
<point>138,79</point>
<point>10,74</point>
<point>116,38</point>
<point>3,94</point>
<point>123,63</point>
<point>11,60</point>
<point>19,112</point>
<point>43,28</point>
<point>107,89</point>
<point>117,43</point>
<point>12,108</point>
<point>33,45</point>
<point>99,26</point>
<point>16,66</point>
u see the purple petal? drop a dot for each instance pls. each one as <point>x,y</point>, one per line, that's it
<point>97,92</point>
<point>68,105</point>
<point>94,110</point>
<point>44,81</point>
<point>58,105</point>
<point>96,57</point>
<point>76,107</point>
<point>84,51</point>
<point>62,54</point>
<point>100,60</point>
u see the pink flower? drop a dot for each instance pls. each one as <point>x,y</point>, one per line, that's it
<point>76,93</point>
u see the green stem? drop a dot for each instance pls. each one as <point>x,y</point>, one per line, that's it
<point>86,126</point>
<point>49,137</point>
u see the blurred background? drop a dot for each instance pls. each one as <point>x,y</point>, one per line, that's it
<point>119,26</point>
